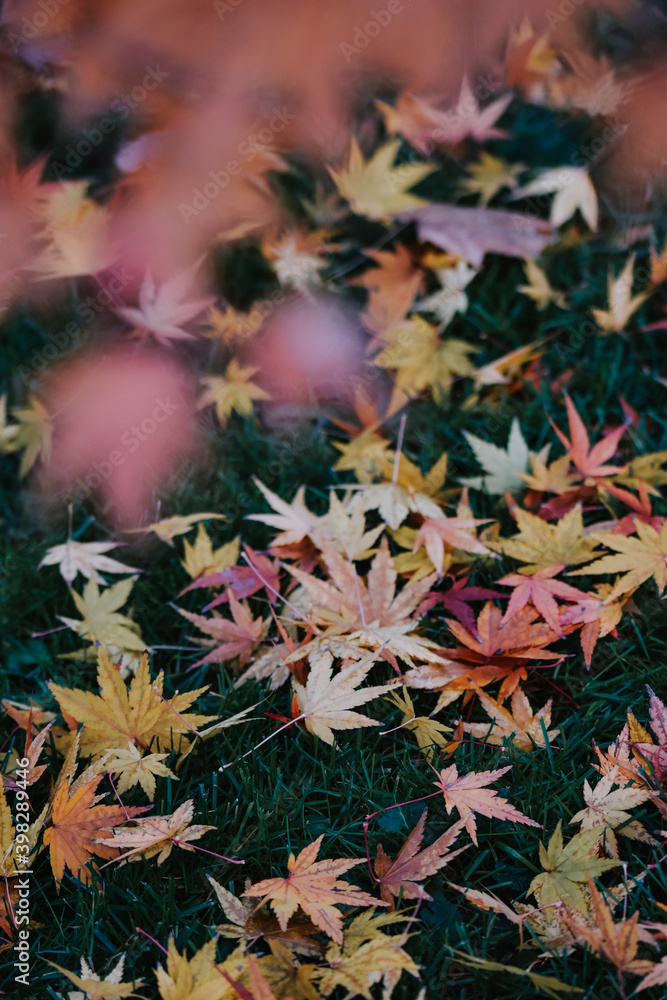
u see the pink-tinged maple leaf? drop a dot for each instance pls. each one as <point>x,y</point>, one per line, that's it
<point>436,531</point>
<point>243,580</point>
<point>469,795</point>
<point>540,590</point>
<point>640,506</point>
<point>656,753</point>
<point>163,309</point>
<point>457,600</point>
<point>236,638</point>
<point>589,461</point>
<point>315,887</point>
<point>596,617</point>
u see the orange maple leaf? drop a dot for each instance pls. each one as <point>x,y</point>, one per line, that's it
<point>315,887</point>
<point>76,821</point>
<point>589,461</point>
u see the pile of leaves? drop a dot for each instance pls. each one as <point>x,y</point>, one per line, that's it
<point>221,735</point>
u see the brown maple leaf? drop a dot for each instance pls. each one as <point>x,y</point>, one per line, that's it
<point>468,795</point>
<point>315,887</point>
<point>616,942</point>
<point>76,821</point>
<point>412,865</point>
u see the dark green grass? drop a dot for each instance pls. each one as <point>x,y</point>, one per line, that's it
<point>295,787</point>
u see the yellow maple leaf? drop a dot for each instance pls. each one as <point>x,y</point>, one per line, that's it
<point>202,559</point>
<point>428,732</point>
<point>539,289</point>
<point>376,188</point>
<point>422,360</point>
<point>622,304</point>
<point>101,621</point>
<point>199,978</point>
<point>138,714</point>
<point>34,434</point>
<point>567,867</point>
<point>233,392</point>
<point>489,176</point>
<point>542,545</point>
<point>638,559</point>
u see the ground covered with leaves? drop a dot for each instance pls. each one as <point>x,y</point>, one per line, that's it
<point>373,704</point>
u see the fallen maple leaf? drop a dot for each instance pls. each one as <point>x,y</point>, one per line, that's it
<point>589,461</point>
<point>87,558</point>
<point>607,808</point>
<point>392,288</point>
<point>428,732</point>
<point>325,701</point>
<point>539,288</point>
<point>167,529</point>
<point>202,559</point>
<point>101,621</point>
<point>156,835</point>
<point>76,821</point>
<point>164,309</point>
<point>293,520</point>
<point>118,714</point>
<point>94,988</point>
<point>574,190</point>
<point>489,176</point>
<point>375,188</point>
<point>135,769</point>
<point>230,638</point>
<point>471,233</point>
<point>622,305</point>
<point>520,728</point>
<point>366,957</point>
<point>567,867</point>
<point>420,357</point>
<point>638,559</point>
<point>468,795</point>
<point>546,546</point>
<point>617,942</point>
<point>451,299</point>
<point>541,590</point>
<point>315,887</point>
<point>232,392</point>
<point>400,877</point>
<point>199,978</point>
<point>453,531</point>
<point>502,466</point>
